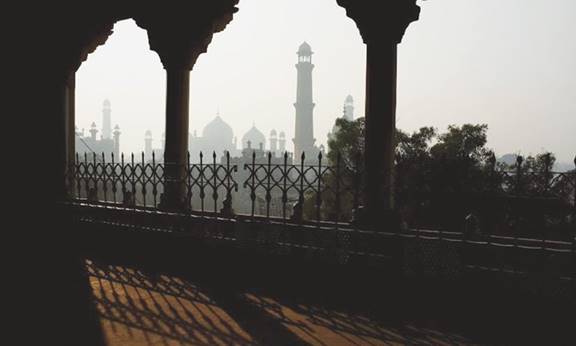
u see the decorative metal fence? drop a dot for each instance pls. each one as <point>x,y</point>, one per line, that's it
<point>274,187</point>
<point>255,186</point>
<point>523,181</point>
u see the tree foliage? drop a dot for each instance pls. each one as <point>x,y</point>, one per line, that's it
<point>439,177</point>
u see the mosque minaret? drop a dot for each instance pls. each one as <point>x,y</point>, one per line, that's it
<point>304,126</point>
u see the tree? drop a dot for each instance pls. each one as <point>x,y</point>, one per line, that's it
<point>345,158</point>
<point>440,178</point>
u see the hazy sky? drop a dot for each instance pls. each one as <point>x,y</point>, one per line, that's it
<point>508,63</point>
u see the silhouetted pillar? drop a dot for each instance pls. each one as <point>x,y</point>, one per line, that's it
<point>380,127</point>
<point>176,145</point>
<point>179,37</point>
<point>70,119</point>
<point>63,42</point>
<point>382,26</point>
<point>62,110</point>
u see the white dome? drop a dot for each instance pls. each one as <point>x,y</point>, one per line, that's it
<point>255,137</point>
<point>218,130</point>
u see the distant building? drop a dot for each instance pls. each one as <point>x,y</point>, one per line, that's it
<point>218,137</point>
<point>347,113</point>
<point>108,142</point>
<point>349,108</point>
<point>304,141</point>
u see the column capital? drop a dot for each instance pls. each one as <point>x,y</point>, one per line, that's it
<point>63,57</point>
<point>381,21</point>
<point>180,36</point>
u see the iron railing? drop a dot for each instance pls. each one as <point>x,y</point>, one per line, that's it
<point>263,185</point>
<point>521,181</point>
<point>274,187</point>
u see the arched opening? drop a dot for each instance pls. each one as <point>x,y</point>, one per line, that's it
<point>248,74</point>
<point>120,118</point>
<point>121,84</point>
<point>274,82</point>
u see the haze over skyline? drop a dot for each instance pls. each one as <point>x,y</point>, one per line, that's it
<point>507,64</point>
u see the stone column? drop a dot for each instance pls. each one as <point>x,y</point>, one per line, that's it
<point>380,127</point>
<point>382,26</point>
<point>70,133</point>
<point>176,145</point>
<point>179,37</point>
<point>60,110</point>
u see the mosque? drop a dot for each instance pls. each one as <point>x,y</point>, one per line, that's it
<point>218,136</point>
<point>107,144</point>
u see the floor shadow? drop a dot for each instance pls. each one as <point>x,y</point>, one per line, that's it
<point>139,307</point>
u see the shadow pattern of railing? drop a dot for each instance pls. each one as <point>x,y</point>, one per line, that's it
<point>166,307</point>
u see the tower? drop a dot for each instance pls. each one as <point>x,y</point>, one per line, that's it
<point>273,142</point>
<point>93,131</point>
<point>282,143</point>
<point>116,140</point>
<point>349,108</point>
<point>106,120</point>
<point>304,131</point>
<point>148,144</point>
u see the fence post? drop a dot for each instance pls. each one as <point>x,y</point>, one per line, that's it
<point>93,191</point>
<point>268,185</point>
<point>337,194</point>
<point>252,177</point>
<point>104,178</point>
<point>114,181</point>
<point>298,209</point>
<point>227,209</point>
<point>546,172</point>
<point>574,186</point>
<point>77,177</point>
<point>215,182</point>
<point>143,180</point>
<point>201,177</point>
<point>319,191</point>
<point>519,161</point>
<point>188,172</point>
<point>284,188</point>
<point>154,181</point>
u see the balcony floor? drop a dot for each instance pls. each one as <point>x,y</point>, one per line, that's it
<point>137,307</point>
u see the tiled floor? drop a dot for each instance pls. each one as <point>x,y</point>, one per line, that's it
<point>137,308</point>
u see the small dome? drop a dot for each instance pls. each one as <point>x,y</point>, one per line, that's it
<point>305,49</point>
<point>255,137</point>
<point>282,134</point>
<point>106,103</point>
<point>273,133</point>
<point>116,127</point>
<point>148,134</point>
<point>93,125</point>
<point>349,99</point>
<point>218,131</point>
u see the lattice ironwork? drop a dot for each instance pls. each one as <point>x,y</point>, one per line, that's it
<point>314,190</point>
